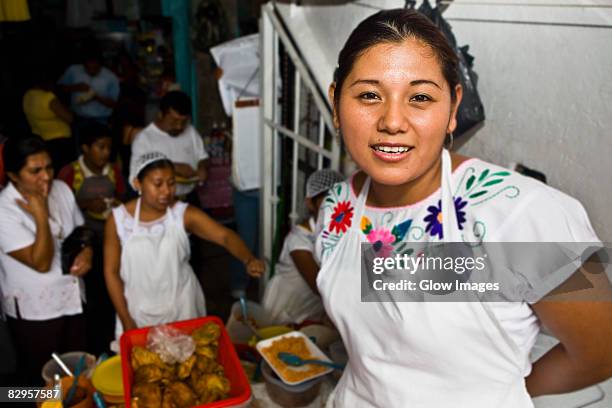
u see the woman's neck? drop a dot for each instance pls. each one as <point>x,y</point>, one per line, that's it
<point>148,213</point>
<point>413,191</point>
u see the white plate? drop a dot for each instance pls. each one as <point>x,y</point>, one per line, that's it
<point>316,353</point>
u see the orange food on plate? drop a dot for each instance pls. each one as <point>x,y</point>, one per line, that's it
<point>293,345</point>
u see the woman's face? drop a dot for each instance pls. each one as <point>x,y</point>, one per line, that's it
<point>158,187</point>
<point>36,176</point>
<point>395,110</point>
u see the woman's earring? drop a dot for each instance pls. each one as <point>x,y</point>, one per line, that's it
<point>451,140</point>
<point>139,192</point>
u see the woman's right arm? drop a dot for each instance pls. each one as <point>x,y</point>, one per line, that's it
<point>114,284</point>
<point>39,255</point>
<point>61,111</point>
<point>307,266</point>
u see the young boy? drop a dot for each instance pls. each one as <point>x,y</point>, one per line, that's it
<point>292,296</point>
<point>98,186</point>
<point>96,183</point>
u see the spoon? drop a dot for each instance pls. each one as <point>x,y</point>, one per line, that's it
<point>62,365</point>
<point>243,307</point>
<point>293,360</point>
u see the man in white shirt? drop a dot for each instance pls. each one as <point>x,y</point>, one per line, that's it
<point>172,134</point>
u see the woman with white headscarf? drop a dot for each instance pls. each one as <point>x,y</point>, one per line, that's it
<point>146,250</point>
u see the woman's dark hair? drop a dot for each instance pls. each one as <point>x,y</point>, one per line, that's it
<point>16,151</point>
<point>395,26</point>
<point>94,132</point>
<point>177,100</point>
<point>157,164</point>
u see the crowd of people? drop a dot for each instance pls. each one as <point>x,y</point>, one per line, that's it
<point>94,242</point>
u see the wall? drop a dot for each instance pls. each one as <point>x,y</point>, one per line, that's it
<point>545,78</point>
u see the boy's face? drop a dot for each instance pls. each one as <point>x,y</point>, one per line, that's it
<point>99,152</point>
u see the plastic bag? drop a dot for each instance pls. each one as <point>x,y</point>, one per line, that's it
<point>471,111</point>
<point>172,345</point>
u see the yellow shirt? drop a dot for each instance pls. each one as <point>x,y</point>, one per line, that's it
<point>43,121</point>
<point>14,10</point>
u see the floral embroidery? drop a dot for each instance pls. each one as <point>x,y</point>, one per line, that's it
<point>478,190</point>
<point>381,239</point>
<point>434,219</point>
<point>341,217</point>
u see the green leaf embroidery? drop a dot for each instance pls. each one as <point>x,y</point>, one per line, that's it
<point>492,182</point>
<point>329,200</point>
<point>367,229</point>
<point>470,182</point>
<point>483,175</point>
<point>478,194</point>
<point>338,189</point>
<point>501,173</point>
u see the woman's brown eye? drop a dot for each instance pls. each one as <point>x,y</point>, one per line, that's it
<point>421,98</point>
<point>368,95</point>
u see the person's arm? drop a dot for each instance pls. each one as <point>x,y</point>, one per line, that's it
<point>39,255</point>
<point>184,170</point>
<point>307,267</point>
<point>203,226</point>
<point>61,111</point>
<point>108,102</point>
<point>202,171</point>
<point>114,284</point>
<point>584,328</point>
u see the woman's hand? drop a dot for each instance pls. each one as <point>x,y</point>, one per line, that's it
<point>255,267</point>
<point>128,324</point>
<point>35,205</point>
<point>82,262</point>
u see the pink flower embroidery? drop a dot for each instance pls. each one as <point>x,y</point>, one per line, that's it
<point>381,240</point>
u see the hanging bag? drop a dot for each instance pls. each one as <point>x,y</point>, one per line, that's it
<point>471,111</point>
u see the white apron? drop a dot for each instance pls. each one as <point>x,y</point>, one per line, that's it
<point>159,284</point>
<point>417,354</point>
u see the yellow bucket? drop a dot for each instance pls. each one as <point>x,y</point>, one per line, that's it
<point>108,380</point>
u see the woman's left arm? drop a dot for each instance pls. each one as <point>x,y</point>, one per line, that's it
<point>584,355</point>
<point>197,222</point>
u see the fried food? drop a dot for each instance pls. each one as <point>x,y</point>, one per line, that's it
<point>184,369</point>
<point>207,351</point>
<point>293,345</point>
<point>148,395</point>
<point>211,387</point>
<point>199,379</point>
<point>207,335</point>
<point>181,395</point>
<point>149,373</point>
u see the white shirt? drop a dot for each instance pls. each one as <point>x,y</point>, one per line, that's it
<point>511,208</point>
<point>185,148</point>
<point>27,293</point>
<point>105,84</point>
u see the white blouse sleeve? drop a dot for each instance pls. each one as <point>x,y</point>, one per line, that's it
<point>562,237</point>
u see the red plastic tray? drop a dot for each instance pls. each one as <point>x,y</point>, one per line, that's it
<point>240,391</point>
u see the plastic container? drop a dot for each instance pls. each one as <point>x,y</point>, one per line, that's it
<point>314,351</point>
<point>107,378</point>
<point>71,359</point>
<point>240,332</point>
<point>240,392</point>
<point>289,395</point>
